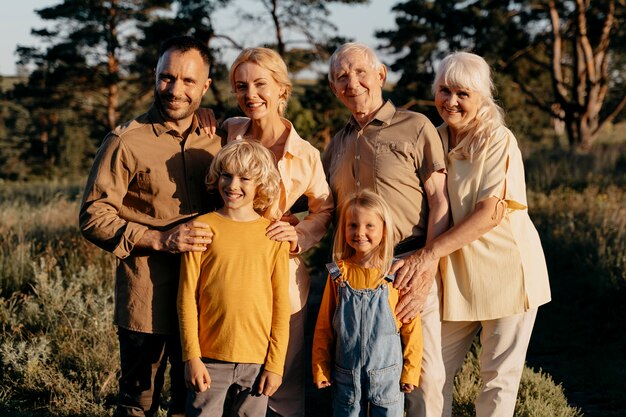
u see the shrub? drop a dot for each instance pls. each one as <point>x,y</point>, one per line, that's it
<point>538,395</point>
<point>58,347</point>
<point>584,231</point>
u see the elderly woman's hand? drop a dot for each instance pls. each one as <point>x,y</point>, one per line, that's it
<point>207,120</point>
<point>414,280</point>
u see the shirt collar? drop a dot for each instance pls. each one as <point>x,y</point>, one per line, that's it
<point>383,116</point>
<point>160,126</point>
<point>293,146</point>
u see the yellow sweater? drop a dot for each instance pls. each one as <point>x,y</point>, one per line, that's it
<point>324,337</point>
<point>233,300</point>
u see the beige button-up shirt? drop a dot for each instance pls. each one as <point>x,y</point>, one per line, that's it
<point>301,174</point>
<point>504,271</point>
<point>145,176</point>
<point>394,154</point>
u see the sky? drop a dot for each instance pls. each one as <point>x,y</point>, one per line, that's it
<point>356,21</point>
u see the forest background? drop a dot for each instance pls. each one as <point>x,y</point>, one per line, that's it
<point>560,74</point>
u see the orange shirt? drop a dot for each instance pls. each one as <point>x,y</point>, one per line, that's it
<point>233,303</point>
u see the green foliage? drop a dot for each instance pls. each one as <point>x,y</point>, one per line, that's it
<point>322,116</point>
<point>550,169</point>
<point>538,395</point>
<point>57,343</point>
<point>578,203</point>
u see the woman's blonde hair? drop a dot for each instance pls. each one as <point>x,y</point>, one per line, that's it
<point>470,71</point>
<point>247,159</point>
<point>368,200</point>
<point>271,61</point>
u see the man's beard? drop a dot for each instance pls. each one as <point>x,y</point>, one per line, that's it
<point>169,114</point>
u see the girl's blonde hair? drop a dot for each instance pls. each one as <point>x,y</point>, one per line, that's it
<point>469,71</point>
<point>251,160</point>
<point>271,61</point>
<point>368,200</point>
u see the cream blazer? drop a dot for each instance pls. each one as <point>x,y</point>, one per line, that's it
<point>504,271</point>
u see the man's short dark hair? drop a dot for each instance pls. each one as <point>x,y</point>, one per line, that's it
<point>184,44</point>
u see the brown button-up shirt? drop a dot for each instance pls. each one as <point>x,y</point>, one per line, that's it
<point>393,155</point>
<point>146,176</point>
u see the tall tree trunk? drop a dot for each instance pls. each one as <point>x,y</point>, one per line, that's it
<point>113,67</point>
<point>113,93</point>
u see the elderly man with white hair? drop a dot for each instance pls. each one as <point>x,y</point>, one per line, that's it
<point>398,154</point>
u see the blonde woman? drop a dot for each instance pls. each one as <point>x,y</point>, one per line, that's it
<point>493,268</point>
<point>260,81</point>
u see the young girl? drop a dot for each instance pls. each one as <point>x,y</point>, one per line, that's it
<point>233,300</point>
<point>359,346</point>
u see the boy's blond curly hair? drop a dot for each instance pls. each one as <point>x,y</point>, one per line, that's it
<point>250,159</point>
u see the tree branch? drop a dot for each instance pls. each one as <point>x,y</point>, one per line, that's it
<point>616,111</point>
<point>557,45</point>
<point>229,39</point>
<point>583,40</point>
<point>535,100</point>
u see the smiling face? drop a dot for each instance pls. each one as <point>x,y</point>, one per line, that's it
<point>358,84</point>
<point>364,230</point>
<point>258,94</point>
<point>237,192</point>
<point>181,81</point>
<point>457,106</point>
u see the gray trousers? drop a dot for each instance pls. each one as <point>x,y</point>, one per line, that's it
<point>239,381</point>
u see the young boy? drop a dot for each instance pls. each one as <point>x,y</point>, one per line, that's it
<point>233,301</point>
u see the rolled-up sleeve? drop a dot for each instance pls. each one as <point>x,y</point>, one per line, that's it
<point>107,184</point>
<point>312,228</point>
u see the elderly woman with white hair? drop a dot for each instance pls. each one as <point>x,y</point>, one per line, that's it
<point>492,264</point>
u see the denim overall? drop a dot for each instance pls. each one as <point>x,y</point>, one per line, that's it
<point>368,352</point>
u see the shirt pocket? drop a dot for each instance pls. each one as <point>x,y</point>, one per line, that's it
<point>141,197</point>
<point>394,160</point>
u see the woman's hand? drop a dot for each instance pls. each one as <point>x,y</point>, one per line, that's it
<point>406,388</point>
<point>282,231</point>
<point>207,120</point>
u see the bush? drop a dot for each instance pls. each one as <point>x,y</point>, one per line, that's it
<point>584,231</point>
<point>538,395</point>
<point>58,346</point>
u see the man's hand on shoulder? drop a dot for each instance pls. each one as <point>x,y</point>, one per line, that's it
<point>192,236</point>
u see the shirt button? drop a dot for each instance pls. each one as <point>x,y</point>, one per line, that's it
<point>357,157</point>
<point>358,183</point>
